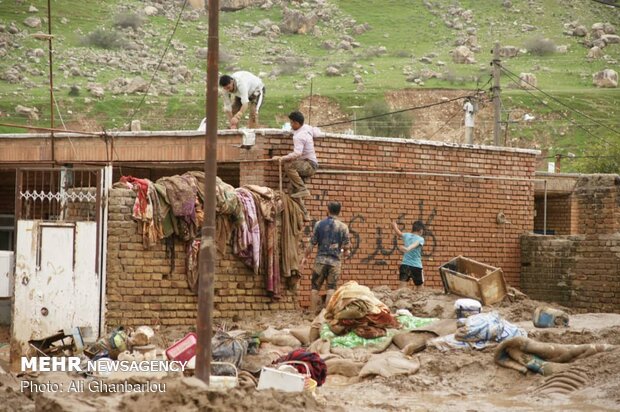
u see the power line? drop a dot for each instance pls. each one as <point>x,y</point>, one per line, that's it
<point>444,125</point>
<point>612,3</point>
<point>426,106</point>
<point>517,80</point>
<point>556,99</point>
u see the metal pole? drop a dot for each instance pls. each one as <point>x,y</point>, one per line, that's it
<point>496,101</point>
<point>558,160</point>
<point>49,43</point>
<point>207,245</point>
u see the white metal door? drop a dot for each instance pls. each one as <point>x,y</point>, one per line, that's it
<point>56,284</point>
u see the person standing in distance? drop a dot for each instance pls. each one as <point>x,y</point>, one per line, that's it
<point>332,237</point>
<point>468,108</point>
<point>243,91</point>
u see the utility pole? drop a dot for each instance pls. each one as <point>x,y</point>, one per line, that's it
<point>496,101</point>
<point>558,159</point>
<point>207,256</point>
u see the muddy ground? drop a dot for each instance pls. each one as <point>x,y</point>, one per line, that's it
<point>457,380</point>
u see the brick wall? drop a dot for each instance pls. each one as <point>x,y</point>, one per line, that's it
<point>141,289</point>
<point>598,204</point>
<point>460,212</point>
<point>582,271</point>
<point>559,214</point>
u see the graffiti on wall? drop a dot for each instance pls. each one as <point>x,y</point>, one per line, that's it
<point>386,241</point>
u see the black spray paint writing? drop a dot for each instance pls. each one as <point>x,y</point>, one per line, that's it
<point>387,247</point>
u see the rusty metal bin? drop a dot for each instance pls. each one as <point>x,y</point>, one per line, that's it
<point>469,278</point>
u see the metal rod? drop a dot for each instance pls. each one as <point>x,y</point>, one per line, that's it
<point>49,42</point>
<point>207,245</point>
<point>394,172</point>
<point>47,129</point>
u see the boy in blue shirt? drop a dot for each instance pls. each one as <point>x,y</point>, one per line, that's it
<point>411,266</point>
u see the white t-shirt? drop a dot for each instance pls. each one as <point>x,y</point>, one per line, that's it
<point>247,85</point>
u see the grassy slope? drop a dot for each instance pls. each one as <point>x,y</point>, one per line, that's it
<point>405,27</point>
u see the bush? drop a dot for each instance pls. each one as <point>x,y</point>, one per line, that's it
<point>601,158</point>
<point>128,20</point>
<point>393,125</point>
<point>540,46</point>
<point>103,39</point>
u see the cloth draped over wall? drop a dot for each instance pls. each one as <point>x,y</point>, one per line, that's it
<point>247,218</point>
<point>269,207</point>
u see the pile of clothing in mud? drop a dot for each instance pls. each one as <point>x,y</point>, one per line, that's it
<point>354,307</point>
<point>247,218</point>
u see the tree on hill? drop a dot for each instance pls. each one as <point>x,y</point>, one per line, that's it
<point>390,125</point>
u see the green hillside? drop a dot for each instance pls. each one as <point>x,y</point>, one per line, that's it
<point>99,43</point>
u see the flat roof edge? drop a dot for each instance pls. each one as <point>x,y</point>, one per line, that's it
<point>259,132</point>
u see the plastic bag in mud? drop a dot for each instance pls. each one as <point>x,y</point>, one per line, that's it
<point>225,348</point>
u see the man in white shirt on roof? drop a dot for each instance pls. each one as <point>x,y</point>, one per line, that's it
<point>243,91</point>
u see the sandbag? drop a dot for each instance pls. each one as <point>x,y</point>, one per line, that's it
<point>356,354</point>
<point>285,339</point>
<point>344,367</point>
<point>415,340</point>
<point>267,334</point>
<point>270,347</point>
<point>320,346</point>
<point>302,335</point>
<point>440,328</point>
<point>390,364</point>
<point>279,338</point>
<point>315,327</point>
<point>403,339</point>
<point>412,342</point>
<point>254,363</point>
<point>314,334</point>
